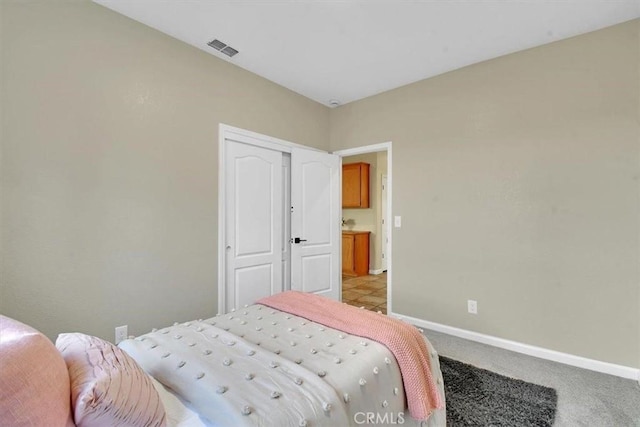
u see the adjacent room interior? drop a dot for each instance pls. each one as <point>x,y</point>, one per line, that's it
<point>364,232</point>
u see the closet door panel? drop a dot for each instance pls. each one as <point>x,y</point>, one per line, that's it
<point>254,223</point>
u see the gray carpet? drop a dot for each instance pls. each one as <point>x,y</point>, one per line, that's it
<point>478,397</point>
<point>585,398</point>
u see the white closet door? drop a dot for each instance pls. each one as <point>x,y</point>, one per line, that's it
<point>315,198</point>
<point>254,223</point>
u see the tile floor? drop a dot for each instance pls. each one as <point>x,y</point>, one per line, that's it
<point>369,292</point>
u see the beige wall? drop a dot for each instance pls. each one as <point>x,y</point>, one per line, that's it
<point>517,181</point>
<point>109,166</point>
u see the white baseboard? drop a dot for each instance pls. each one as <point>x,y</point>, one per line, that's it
<point>379,271</point>
<point>542,353</point>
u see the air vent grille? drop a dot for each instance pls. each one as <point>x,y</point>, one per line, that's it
<point>222,47</point>
<point>217,44</point>
<point>229,51</point>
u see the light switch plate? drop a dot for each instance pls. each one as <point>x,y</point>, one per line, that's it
<point>397,221</point>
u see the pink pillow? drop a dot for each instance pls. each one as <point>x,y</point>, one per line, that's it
<point>34,382</point>
<point>108,388</point>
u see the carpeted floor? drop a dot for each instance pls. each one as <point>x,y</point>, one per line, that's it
<point>585,398</point>
<point>478,397</point>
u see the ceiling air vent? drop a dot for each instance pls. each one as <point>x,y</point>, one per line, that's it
<point>229,51</point>
<point>222,47</point>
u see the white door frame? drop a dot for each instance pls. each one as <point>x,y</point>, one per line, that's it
<point>248,137</point>
<point>375,148</point>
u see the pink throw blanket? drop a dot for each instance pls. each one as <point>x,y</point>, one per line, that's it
<point>402,339</point>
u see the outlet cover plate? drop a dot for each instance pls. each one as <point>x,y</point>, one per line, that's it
<point>472,306</point>
<point>121,333</point>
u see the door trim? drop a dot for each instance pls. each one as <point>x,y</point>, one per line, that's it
<point>248,137</point>
<point>375,148</point>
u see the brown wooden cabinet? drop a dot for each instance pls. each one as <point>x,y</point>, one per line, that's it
<point>355,185</point>
<point>355,253</point>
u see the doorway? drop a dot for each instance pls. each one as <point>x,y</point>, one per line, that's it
<point>370,290</point>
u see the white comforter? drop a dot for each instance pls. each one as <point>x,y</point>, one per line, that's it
<point>260,366</point>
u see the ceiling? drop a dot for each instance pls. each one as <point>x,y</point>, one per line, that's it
<point>346,50</point>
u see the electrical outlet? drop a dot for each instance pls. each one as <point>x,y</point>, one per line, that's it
<point>472,306</point>
<point>121,333</point>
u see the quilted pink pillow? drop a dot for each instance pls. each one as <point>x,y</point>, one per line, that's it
<point>34,382</point>
<point>108,388</point>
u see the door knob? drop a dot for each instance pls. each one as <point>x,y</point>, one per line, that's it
<point>298,240</point>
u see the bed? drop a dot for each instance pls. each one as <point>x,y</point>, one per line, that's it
<point>266,364</point>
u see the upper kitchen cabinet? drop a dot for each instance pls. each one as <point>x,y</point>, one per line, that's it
<point>355,185</point>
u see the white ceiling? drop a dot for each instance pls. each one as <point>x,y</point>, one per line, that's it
<point>348,50</point>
